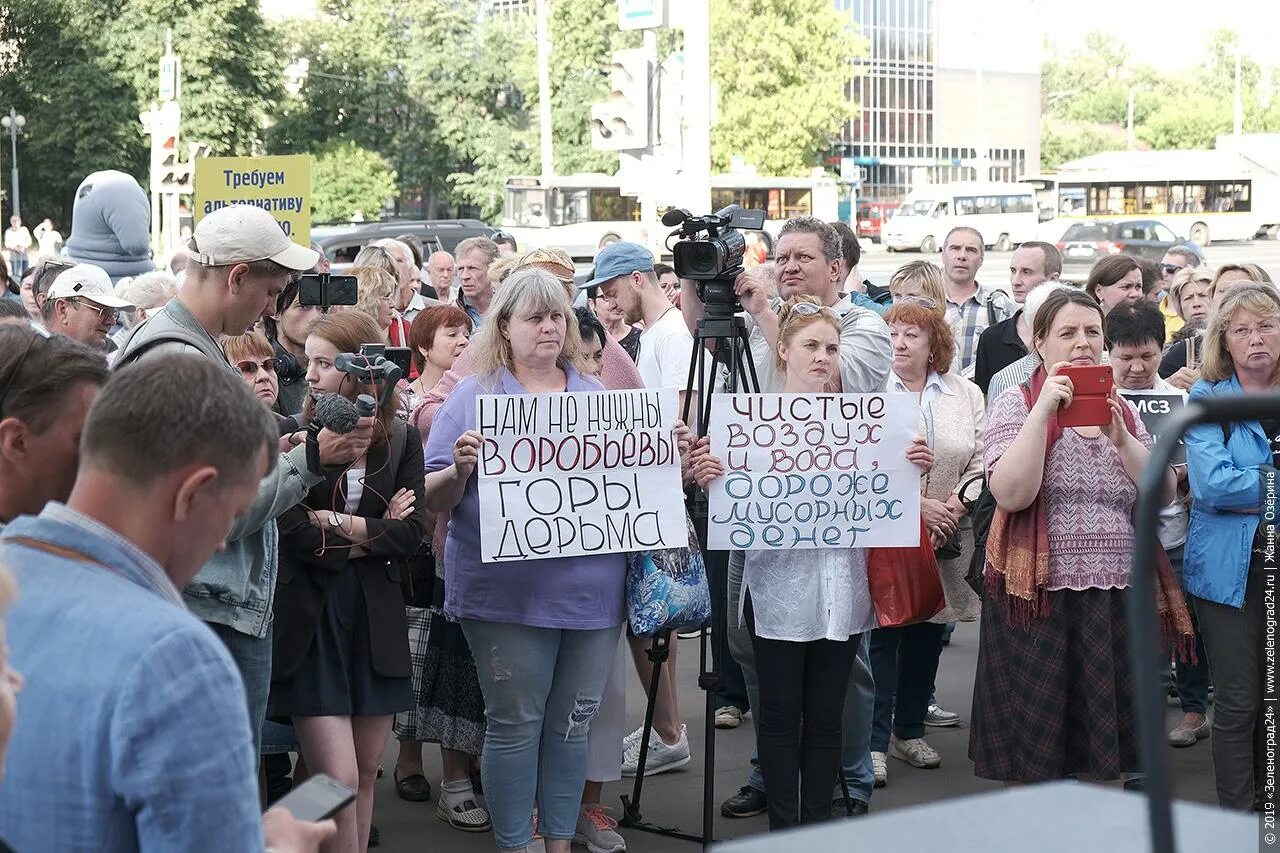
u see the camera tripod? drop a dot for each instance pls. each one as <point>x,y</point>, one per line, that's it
<point>726,336</point>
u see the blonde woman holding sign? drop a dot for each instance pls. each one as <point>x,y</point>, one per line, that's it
<point>543,632</point>
<point>805,609</point>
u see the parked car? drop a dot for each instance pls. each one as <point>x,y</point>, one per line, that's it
<point>340,243</point>
<point>1086,242</point>
<point>872,215</point>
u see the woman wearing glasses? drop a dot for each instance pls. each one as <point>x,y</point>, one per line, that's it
<point>806,611</point>
<point>254,357</point>
<point>1223,569</point>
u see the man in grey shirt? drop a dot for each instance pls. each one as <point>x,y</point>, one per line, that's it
<point>240,261</point>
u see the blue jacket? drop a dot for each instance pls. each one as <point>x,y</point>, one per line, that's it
<point>1226,480</point>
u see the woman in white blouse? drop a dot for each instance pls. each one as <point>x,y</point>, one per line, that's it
<point>904,660</point>
<point>806,611</point>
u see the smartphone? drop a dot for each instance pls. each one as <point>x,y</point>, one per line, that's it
<point>1090,404</point>
<point>1193,352</point>
<point>400,357</point>
<point>319,798</point>
<point>326,290</point>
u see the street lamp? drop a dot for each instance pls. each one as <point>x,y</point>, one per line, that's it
<point>14,123</point>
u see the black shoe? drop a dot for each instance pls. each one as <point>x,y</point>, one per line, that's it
<point>858,808</point>
<point>415,788</point>
<point>375,837</point>
<point>1139,784</point>
<point>748,802</point>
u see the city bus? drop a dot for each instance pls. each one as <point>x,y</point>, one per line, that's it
<point>1005,215</point>
<point>1201,196</point>
<point>579,213</point>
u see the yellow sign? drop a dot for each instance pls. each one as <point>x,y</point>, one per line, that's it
<point>279,185</point>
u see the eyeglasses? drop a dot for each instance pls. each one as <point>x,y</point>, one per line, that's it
<point>805,309</point>
<point>502,237</point>
<point>104,313</point>
<point>250,368</point>
<point>915,299</point>
<point>1266,328</point>
<point>1170,269</point>
<point>604,297</point>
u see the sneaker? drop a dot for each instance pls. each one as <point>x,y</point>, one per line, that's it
<point>940,718</point>
<point>916,752</point>
<point>880,767</point>
<point>748,802</point>
<point>1188,732</point>
<point>597,831</point>
<point>728,717</point>
<point>662,756</point>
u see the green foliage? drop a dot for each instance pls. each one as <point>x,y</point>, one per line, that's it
<point>349,182</point>
<point>782,81</point>
<point>1062,140</point>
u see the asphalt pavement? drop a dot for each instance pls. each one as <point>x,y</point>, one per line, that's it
<point>675,798</point>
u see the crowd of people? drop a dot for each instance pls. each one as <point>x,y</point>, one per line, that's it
<point>217,595</point>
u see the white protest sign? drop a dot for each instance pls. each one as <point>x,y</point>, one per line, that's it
<point>564,475</point>
<point>814,471</point>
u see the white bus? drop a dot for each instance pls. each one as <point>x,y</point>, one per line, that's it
<point>1198,195</point>
<point>1005,215</point>
<point>578,213</point>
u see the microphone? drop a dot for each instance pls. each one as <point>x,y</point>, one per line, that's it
<point>338,414</point>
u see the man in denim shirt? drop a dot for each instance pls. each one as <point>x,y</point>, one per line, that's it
<point>152,748</point>
<point>240,262</point>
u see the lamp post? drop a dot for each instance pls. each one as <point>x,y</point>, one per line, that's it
<point>13,124</point>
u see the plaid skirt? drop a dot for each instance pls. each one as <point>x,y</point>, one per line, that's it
<point>1055,699</point>
<point>448,707</point>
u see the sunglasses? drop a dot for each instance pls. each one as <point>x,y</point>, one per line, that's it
<point>105,314</point>
<point>805,309</point>
<point>1171,269</point>
<point>250,368</point>
<point>916,299</point>
<point>501,237</point>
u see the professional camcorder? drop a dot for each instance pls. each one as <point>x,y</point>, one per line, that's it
<point>709,252</point>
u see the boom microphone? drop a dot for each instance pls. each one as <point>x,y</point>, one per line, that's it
<point>336,413</point>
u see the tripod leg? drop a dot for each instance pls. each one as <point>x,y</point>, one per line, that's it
<point>657,652</point>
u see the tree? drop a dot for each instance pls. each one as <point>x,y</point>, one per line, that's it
<point>1063,140</point>
<point>349,182</point>
<point>783,81</point>
<point>1190,122</point>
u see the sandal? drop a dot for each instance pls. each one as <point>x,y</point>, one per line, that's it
<point>466,815</point>
<point>414,788</point>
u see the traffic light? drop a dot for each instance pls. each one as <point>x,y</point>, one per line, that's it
<point>621,123</point>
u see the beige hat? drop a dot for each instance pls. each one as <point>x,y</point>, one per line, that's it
<point>87,281</point>
<point>243,233</point>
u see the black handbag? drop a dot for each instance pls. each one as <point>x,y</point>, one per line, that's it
<point>982,510</point>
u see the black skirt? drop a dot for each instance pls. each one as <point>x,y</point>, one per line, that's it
<point>336,678</point>
<point>1055,699</point>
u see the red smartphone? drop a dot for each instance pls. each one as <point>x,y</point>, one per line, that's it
<point>1089,404</point>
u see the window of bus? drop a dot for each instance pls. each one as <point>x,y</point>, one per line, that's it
<point>1230,197</point>
<point>1112,199</point>
<point>608,205</point>
<point>526,206</point>
<point>1153,198</point>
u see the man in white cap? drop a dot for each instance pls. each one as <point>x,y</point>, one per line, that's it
<point>82,305</point>
<point>240,261</point>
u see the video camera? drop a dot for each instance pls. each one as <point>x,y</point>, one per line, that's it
<point>370,366</point>
<point>713,260</point>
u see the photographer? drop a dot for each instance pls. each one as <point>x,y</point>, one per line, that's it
<point>287,330</point>
<point>240,263</point>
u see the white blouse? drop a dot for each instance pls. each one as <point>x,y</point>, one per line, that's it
<point>808,594</point>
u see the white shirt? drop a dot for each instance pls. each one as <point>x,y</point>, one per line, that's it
<point>355,489</point>
<point>934,388</point>
<point>665,350</point>
<point>810,594</point>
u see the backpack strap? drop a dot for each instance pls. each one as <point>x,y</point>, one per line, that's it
<point>134,349</point>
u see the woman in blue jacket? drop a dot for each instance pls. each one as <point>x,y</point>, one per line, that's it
<point>1230,467</point>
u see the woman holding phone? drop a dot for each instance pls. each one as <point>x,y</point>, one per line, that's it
<point>1054,692</point>
<point>806,611</point>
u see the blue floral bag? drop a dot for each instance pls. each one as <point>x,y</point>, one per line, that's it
<point>667,589</point>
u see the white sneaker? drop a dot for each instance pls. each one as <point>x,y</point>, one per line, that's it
<point>662,756</point>
<point>880,767</point>
<point>598,832</point>
<point>916,752</point>
<point>940,717</point>
<point>728,717</point>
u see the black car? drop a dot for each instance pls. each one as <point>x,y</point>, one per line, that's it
<point>1086,242</point>
<point>340,243</point>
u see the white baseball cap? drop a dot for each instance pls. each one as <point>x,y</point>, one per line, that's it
<point>243,233</point>
<point>87,281</point>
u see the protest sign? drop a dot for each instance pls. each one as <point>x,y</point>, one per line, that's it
<point>563,475</point>
<point>814,471</point>
<point>1156,409</point>
<point>279,185</point>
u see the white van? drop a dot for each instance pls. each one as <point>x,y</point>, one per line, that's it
<point>1005,215</point>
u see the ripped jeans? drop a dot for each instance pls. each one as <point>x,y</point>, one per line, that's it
<point>541,688</point>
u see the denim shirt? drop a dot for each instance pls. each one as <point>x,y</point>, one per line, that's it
<point>237,586</point>
<point>132,731</point>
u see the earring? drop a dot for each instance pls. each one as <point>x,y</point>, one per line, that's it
<point>931,358</point>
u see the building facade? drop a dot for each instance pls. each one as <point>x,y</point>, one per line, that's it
<point>949,90</point>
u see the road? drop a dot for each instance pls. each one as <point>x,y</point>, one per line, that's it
<point>675,798</point>
<point>878,264</point>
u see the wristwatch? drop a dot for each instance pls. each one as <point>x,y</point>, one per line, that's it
<point>335,520</point>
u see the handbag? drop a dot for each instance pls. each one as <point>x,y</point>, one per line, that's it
<point>905,585</point>
<point>667,589</point>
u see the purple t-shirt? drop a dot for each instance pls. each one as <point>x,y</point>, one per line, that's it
<point>578,593</point>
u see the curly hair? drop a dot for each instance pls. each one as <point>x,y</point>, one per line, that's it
<point>942,343</point>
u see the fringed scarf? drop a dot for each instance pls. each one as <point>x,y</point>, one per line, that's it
<point>1018,556</point>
